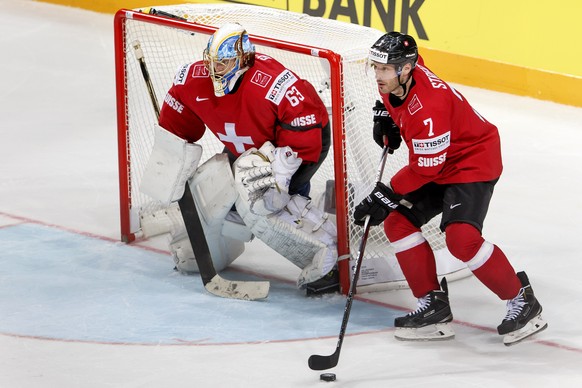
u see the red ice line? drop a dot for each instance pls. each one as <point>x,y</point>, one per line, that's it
<point>24,220</point>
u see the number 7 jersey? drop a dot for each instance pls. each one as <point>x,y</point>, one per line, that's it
<point>448,141</point>
<point>270,103</point>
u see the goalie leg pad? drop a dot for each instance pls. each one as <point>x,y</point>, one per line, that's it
<point>301,233</point>
<point>161,221</point>
<point>213,190</point>
<point>172,162</point>
<point>223,252</point>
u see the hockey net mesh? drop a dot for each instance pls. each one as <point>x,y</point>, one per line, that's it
<point>166,48</point>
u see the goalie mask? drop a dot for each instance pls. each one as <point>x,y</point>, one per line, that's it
<point>395,48</point>
<point>227,56</point>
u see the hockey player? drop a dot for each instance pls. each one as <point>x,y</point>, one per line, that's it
<point>454,164</point>
<point>276,133</point>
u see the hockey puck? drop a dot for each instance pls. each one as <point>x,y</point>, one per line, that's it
<point>327,377</point>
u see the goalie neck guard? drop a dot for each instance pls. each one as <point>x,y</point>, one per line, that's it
<point>228,54</point>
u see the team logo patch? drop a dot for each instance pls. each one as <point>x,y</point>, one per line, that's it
<point>180,78</point>
<point>199,71</point>
<point>263,57</point>
<point>261,79</point>
<point>414,105</point>
<point>280,86</point>
<point>432,146</point>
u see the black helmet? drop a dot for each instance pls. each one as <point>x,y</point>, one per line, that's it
<point>395,48</point>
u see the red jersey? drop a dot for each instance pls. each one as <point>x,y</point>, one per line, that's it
<point>271,103</point>
<point>448,141</point>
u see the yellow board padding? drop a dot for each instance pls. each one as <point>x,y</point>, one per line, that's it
<point>112,6</point>
<point>502,77</point>
<point>452,67</point>
<point>534,34</point>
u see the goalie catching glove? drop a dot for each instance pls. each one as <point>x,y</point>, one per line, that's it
<point>381,201</point>
<point>266,174</point>
<point>385,127</point>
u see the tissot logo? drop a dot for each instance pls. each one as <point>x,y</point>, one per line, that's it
<point>277,90</point>
<point>378,56</point>
<point>432,146</point>
<point>180,78</point>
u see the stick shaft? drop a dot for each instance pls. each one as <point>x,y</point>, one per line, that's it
<point>317,362</point>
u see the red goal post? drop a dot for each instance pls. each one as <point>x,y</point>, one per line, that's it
<point>330,54</point>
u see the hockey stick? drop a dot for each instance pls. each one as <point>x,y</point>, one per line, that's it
<point>159,12</point>
<point>213,283</point>
<point>317,362</point>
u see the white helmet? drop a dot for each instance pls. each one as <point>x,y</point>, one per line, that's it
<point>230,51</point>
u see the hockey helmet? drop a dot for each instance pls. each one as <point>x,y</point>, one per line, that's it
<point>395,48</point>
<point>228,54</point>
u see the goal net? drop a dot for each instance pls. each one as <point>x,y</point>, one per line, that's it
<point>329,54</point>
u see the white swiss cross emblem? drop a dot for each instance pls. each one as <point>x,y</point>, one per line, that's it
<point>230,136</point>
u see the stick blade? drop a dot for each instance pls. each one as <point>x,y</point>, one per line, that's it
<point>317,362</point>
<point>237,290</point>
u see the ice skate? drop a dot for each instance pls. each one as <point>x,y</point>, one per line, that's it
<point>326,285</point>
<point>430,321</point>
<point>523,317</point>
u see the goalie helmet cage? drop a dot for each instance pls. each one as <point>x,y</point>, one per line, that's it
<point>330,54</point>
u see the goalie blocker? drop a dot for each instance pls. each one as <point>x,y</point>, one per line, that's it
<point>173,162</point>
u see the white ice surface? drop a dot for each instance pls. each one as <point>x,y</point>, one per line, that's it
<point>58,166</point>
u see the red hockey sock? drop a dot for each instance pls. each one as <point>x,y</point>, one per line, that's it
<point>414,254</point>
<point>488,263</point>
<point>498,275</point>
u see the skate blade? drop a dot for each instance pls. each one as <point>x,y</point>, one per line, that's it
<point>436,332</point>
<point>536,325</point>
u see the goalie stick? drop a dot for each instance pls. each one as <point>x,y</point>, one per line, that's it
<point>317,362</point>
<point>214,284</point>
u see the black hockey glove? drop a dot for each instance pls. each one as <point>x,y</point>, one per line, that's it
<point>381,201</point>
<point>385,126</point>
